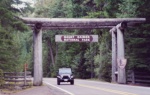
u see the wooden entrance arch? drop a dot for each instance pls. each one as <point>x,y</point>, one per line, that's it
<point>116,26</point>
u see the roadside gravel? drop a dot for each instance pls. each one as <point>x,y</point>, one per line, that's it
<point>37,90</point>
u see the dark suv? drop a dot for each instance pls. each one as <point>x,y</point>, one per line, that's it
<point>65,75</point>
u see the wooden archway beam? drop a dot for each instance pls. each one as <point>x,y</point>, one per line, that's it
<point>77,23</point>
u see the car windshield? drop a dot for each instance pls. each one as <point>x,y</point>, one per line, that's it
<point>65,71</point>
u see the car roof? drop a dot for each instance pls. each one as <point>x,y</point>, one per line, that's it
<point>64,68</point>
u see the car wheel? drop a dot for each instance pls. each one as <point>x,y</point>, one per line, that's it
<point>72,82</point>
<point>58,82</point>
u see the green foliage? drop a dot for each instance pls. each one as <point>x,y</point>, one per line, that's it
<point>138,52</point>
<point>103,58</point>
<point>11,43</point>
<point>55,9</point>
<point>9,16</point>
<point>127,8</point>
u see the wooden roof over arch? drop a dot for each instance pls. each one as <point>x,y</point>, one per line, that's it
<point>79,23</point>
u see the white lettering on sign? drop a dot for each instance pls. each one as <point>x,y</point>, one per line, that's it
<point>76,38</point>
<point>68,37</point>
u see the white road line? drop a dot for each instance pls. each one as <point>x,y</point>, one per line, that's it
<point>59,88</point>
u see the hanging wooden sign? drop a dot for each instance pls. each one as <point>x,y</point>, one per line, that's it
<point>76,38</point>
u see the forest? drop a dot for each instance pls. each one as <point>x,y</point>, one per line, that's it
<point>87,60</point>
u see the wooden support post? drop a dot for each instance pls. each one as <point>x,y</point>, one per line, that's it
<point>120,52</point>
<point>38,72</point>
<point>114,55</point>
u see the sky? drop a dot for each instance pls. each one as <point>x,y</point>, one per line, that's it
<point>29,1</point>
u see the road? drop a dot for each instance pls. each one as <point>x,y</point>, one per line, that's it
<point>87,87</point>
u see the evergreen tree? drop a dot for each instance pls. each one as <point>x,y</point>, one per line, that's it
<point>9,23</point>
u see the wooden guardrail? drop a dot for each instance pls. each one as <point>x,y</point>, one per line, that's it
<point>17,79</point>
<point>140,78</point>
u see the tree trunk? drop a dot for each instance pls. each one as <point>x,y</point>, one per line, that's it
<point>56,53</point>
<point>51,52</point>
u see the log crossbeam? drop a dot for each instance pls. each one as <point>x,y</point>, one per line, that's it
<point>80,23</point>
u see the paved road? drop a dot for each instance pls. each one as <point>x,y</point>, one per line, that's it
<point>86,87</point>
